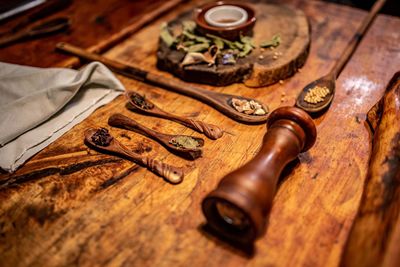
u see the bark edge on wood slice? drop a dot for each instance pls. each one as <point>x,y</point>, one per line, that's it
<point>259,68</point>
<point>373,235</point>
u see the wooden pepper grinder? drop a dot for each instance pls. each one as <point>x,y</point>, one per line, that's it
<point>238,208</point>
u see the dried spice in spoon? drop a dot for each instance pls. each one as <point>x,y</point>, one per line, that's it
<point>102,137</point>
<point>251,107</point>
<point>316,94</point>
<point>186,142</point>
<point>141,101</point>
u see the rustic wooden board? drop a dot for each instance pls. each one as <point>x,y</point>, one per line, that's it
<point>259,68</point>
<point>71,206</point>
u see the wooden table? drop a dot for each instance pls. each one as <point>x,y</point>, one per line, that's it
<point>70,205</point>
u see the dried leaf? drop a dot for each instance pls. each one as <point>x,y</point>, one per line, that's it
<point>247,40</point>
<point>198,47</point>
<point>193,58</point>
<point>247,48</point>
<point>198,39</point>
<point>189,25</point>
<point>166,36</point>
<point>274,42</point>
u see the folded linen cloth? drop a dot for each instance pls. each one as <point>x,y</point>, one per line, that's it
<point>39,105</point>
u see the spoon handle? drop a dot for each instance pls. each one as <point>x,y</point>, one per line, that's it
<point>119,120</point>
<point>170,173</point>
<point>351,47</point>
<point>209,130</point>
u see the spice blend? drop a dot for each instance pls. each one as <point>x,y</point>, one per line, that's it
<point>102,137</point>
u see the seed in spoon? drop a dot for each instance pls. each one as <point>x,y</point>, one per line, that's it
<point>316,94</point>
<point>102,137</point>
<point>141,101</point>
<point>185,142</point>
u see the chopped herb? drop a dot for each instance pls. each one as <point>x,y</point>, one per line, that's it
<point>186,142</point>
<point>102,137</point>
<point>274,42</point>
<point>141,101</point>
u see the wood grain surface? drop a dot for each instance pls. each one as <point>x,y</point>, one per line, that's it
<point>70,205</point>
<point>92,22</point>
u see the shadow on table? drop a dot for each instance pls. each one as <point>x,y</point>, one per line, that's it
<point>242,249</point>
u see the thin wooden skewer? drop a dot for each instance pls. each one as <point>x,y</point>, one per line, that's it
<point>351,47</point>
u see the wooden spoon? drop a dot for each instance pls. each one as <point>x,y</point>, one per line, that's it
<point>147,107</point>
<point>219,101</point>
<point>170,173</point>
<point>121,121</point>
<point>328,80</point>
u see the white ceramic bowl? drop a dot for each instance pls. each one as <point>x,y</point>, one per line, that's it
<point>225,16</point>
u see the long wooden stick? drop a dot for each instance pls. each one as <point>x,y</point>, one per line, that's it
<point>351,47</point>
<point>125,32</point>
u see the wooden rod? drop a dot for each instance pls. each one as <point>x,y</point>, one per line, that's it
<point>351,47</point>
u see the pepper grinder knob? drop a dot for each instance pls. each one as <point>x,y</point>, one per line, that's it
<point>238,208</point>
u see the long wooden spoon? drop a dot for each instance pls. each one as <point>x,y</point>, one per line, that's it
<point>138,102</point>
<point>219,101</point>
<point>101,140</point>
<point>328,81</point>
<point>168,140</point>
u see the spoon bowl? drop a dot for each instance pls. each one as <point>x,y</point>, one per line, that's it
<point>327,81</point>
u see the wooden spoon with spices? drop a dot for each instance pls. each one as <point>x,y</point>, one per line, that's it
<point>183,145</point>
<point>138,102</point>
<point>101,140</point>
<point>319,94</point>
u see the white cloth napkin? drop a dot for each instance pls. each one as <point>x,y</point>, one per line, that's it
<point>39,105</point>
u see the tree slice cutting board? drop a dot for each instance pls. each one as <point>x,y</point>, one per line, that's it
<point>260,68</point>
